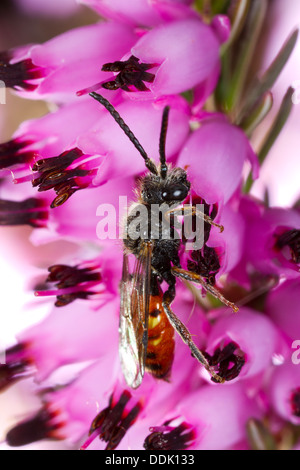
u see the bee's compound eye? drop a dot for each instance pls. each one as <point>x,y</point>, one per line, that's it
<point>175,193</point>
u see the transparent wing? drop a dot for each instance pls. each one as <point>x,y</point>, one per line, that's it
<point>134,315</point>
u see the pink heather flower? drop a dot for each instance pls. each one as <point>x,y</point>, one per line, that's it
<point>215,155</point>
<point>42,138</point>
<point>229,244</point>
<point>221,252</point>
<point>180,68</point>
<point>197,422</point>
<point>51,71</point>
<point>283,308</point>
<point>284,392</point>
<point>82,342</point>
<point>85,155</point>
<point>141,12</point>
<point>68,411</point>
<point>108,140</point>
<point>271,239</point>
<point>242,346</point>
<point>154,396</point>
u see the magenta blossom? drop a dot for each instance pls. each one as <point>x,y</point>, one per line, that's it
<point>197,421</point>
<point>34,344</point>
<point>236,351</point>
<point>271,239</point>
<point>180,71</point>
<point>215,165</point>
<point>51,71</point>
<point>284,392</point>
<point>283,308</point>
<point>142,12</point>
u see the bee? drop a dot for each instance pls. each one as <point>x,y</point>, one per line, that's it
<point>147,321</point>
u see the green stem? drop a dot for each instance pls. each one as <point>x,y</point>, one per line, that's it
<point>276,128</point>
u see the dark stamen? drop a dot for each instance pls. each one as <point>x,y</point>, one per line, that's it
<point>30,212</point>
<point>17,366</point>
<point>290,238</point>
<point>114,421</point>
<point>205,263</point>
<point>17,75</point>
<point>132,73</point>
<point>54,174</point>
<point>170,438</point>
<point>295,402</point>
<point>73,276</point>
<point>40,426</point>
<point>14,153</point>
<point>228,362</point>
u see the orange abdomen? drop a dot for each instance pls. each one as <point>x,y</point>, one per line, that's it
<point>161,343</point>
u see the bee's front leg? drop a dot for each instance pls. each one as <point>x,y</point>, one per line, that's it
<point>193,277</point>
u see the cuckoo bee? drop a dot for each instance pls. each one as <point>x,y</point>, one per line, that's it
<point>147,321</point>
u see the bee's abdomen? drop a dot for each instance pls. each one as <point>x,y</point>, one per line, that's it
<point>161,344</point>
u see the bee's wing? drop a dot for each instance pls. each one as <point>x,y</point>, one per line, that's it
<point>134,315</point>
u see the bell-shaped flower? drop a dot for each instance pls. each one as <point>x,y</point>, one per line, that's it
<point>215,155</point>
<point>235,351</point>
<point>142,12</point>
<point>67,63</point>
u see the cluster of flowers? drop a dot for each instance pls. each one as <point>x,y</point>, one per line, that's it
<point>143,56</point>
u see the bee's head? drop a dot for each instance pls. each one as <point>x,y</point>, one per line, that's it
<point>172,190</point>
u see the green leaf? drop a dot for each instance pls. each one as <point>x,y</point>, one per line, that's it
<point>230,92</point>
<point>277,126</point>
<point>266,82</point>
<point>219,6</point>
<point>237,12</point>
<point>250,123</point>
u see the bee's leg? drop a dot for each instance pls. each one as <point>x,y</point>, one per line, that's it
<point>193,277</point>
<point>192,210</point>
<point>184,333</point>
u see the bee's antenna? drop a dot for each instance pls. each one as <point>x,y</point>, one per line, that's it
<point>162,143</point>
<point>149,163</point>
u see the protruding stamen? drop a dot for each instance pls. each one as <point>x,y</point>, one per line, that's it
<point>18,366</point>
<point>58,173</point>
<point>31,212</point>
<point>228,362</point>
<point>19,74</point>
<point>167,437</point>
<point>131,75</point>
<point>205,263</point>
<point>14,153</point>
<point>112,423</point>
<point>44,425</point>
<point>72,283</point>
